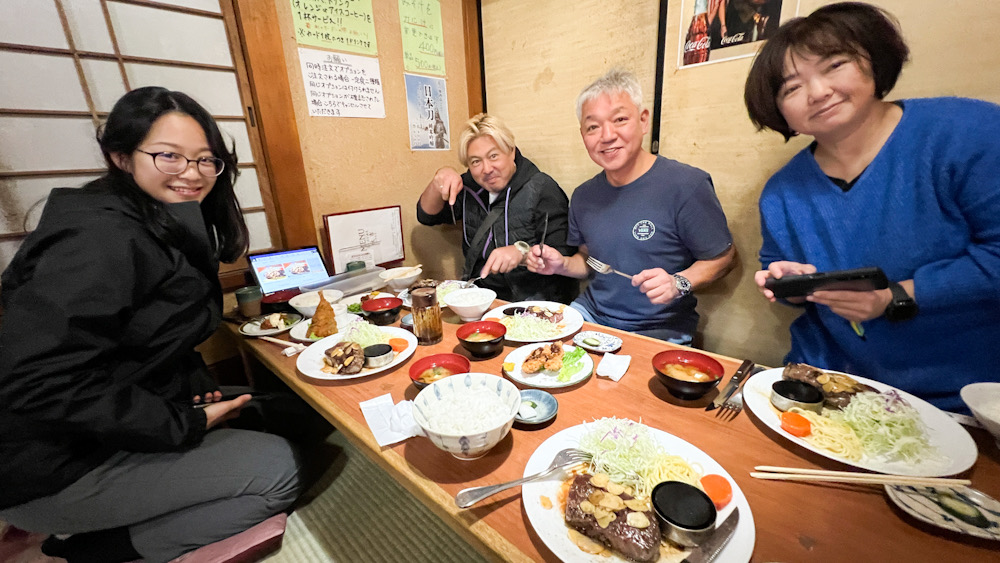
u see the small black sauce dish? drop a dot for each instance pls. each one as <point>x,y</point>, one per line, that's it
<point>788,393</point>
<point>378,355</point>
<point>686,512</point>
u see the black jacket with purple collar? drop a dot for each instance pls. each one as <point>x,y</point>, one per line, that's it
<point>530,196</point>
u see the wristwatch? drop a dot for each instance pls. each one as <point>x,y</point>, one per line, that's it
<point>902,307</point>
<point>522,247</point>
<point>682,284</point>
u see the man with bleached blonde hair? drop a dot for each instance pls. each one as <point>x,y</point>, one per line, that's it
<point>504,204</point>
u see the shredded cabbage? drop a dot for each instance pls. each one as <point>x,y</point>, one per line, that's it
<point>627,452</point>
<point>365,334</point>
<point>529,327</point>
<point>887,426</point>
<point>572,362</point>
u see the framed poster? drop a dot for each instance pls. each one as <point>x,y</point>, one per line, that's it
<point>373,236</point>
<point>721,30</point>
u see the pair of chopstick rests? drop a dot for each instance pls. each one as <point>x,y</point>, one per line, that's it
<point>796,474</point>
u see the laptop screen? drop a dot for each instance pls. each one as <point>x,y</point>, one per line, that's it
<point>276,271</point>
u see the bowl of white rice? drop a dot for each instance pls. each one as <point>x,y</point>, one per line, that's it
<point>468,413</point>
<point>983,399</point>
<point>471,303</point>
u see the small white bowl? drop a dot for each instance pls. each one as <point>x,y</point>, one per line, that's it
<point>399,284</point>
<point>470,304</point>
<point>459,392</point>
<point>306,303</point>
<point>983,399</point>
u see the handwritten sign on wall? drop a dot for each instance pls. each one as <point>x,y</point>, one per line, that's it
<point>341,85</point>
<point>423,38</point>
<point>344,25</point>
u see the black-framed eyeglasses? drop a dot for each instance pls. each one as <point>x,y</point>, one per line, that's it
<point>173,163</point>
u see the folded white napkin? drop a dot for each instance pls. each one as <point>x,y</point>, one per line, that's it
<point>390,423</point>
<point>613,366</point>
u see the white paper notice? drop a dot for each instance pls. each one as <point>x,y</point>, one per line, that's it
<point>342,85</point>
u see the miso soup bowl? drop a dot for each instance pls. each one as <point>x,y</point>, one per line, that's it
<point>682,388</point>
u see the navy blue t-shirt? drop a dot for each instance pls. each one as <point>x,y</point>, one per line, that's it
<point>668,218</point>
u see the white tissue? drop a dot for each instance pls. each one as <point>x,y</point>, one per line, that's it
<point>389,423</point>
<point>613,366</point>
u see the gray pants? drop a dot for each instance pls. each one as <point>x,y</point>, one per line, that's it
<point>174,502</point>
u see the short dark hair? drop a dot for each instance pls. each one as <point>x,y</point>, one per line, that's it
<point>859,30</point>
<point>128,124</point>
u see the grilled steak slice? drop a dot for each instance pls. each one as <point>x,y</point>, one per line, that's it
<point>804,373</point>
<point>345,358</point>
<point>553,317</point>
<point>638,544</point>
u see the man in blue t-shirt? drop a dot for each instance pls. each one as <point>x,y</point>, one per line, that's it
<point>644,215</point>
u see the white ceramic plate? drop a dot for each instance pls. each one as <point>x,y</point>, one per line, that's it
<point>923,503</point>
<point>300,332</point>
<point>950,439</point>
<point>605,342</point>
<point>310,361</point>
<point>550,523</point>
<point>447,285</point>
<point>571,322</point>
<point>252,327</point>
<point>546,379</point>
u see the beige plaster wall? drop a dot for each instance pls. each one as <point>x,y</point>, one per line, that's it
<point>355,163</point>
<point>540,54</point>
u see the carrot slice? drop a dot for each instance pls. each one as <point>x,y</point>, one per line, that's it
<point>795,424</point>
<point>398,344</point>
<point>718,489</point>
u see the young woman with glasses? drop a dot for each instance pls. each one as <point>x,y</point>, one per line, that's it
<point>103,306</point>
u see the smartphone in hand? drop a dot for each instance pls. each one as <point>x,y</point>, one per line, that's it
<point>860,279</point>
<point>254,396</point>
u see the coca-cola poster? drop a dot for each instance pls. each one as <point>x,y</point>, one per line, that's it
<point>721,30</point>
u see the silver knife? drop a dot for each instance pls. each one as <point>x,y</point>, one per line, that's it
<point>731,387</point>
<point>710,548</point>
<point>545,229</point>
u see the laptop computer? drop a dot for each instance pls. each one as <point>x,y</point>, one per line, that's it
<point>280,274</point>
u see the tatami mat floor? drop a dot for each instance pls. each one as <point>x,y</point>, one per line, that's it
<point>356,513</point>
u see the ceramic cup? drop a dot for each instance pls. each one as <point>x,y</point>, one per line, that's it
<point>248,301</point>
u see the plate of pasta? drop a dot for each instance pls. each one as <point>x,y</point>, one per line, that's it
<point>545,500</point>
<point>935,446</point>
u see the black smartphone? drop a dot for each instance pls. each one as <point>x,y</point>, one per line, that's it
<point>254,396</point>
<point>860,279</point>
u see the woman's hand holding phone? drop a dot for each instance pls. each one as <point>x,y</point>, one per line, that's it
<point>778,270</point>
<point>222,411</point>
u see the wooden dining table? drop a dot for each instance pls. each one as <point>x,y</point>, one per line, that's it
<point>794,521</point>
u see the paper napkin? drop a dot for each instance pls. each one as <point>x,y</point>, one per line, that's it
<point>614,366</point>
<point>389,423</point>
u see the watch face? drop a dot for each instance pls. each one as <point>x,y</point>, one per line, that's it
<point>683,284</point>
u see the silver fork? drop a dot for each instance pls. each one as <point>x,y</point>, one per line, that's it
<point>602,268</point>
<point>731,408</point>
<point>566,458</point>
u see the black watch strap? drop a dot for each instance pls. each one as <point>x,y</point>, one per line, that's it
<point>902,307</point>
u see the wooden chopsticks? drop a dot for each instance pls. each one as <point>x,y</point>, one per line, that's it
<point>798,474</point>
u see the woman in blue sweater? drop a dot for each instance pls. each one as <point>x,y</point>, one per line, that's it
<point>909,186</point>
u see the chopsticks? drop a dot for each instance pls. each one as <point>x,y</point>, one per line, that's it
<point>798,474</point>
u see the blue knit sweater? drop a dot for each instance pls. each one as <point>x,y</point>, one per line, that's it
<point>928,209</point>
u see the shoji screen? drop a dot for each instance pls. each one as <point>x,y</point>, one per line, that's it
<point>63,64</point>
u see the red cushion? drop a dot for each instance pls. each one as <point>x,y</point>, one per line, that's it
<point>247,546</point>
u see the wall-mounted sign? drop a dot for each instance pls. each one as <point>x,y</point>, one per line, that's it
<point>344,25</point>
<point>341,85</point>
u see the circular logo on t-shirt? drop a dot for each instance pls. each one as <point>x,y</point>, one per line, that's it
<point>643,230</point>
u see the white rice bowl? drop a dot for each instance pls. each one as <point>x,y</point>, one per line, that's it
<point>467,414</point>
<point>306,303</point>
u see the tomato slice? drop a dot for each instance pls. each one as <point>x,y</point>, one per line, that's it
<point>795,424</point>
<point>398,344</point>
<point>718,489</point>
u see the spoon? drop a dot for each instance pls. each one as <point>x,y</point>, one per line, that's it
<point>469,283</point>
